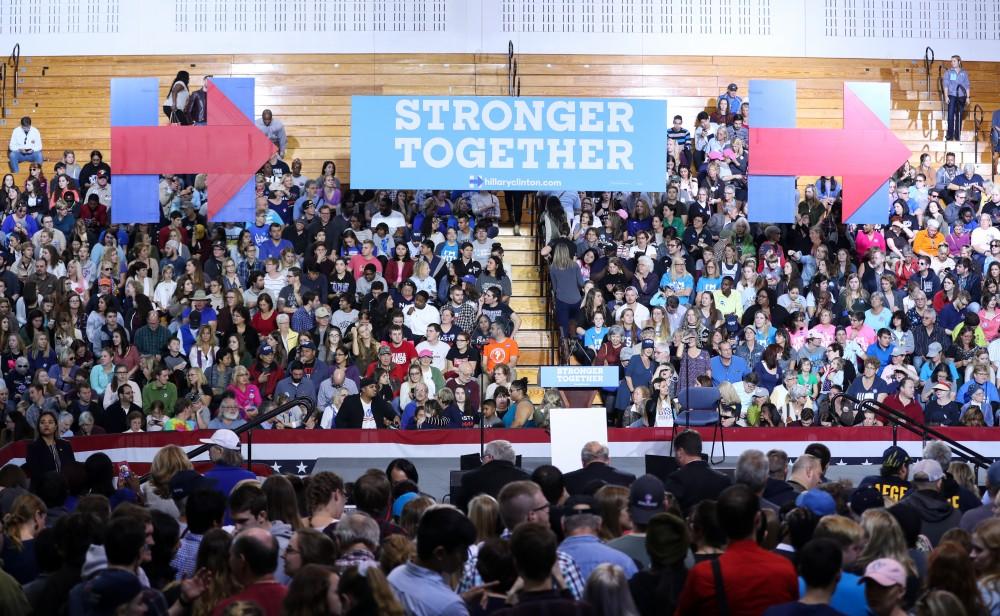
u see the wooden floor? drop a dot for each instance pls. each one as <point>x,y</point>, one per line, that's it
<point>68,99</point>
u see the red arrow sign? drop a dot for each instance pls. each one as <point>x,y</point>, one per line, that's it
<point>229,149</point>
<point>865,152</point>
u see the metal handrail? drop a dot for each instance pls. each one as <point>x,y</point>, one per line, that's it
<point>15,60</point>
<point>941,90</point>
<point>3,90</point>
<point>977,125</point>
<point>899,420</point>
<point>928,62</point>
<point>255,423</point>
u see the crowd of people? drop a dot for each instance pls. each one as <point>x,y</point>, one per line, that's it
<point>681,291</point>
<point>768,538</point>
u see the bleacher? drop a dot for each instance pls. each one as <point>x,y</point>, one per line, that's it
<point>67,98</point>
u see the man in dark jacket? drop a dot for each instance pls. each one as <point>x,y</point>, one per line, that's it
<point>694,481</point>
<point>596,472</point>
<point>936,513</point>
<point>364,410</point>
<point>497,471</point>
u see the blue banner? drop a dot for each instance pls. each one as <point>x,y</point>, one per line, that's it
<point>579,376</point>
<point>497,143</point>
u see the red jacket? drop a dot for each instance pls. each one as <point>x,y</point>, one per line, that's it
<point>754,580</point>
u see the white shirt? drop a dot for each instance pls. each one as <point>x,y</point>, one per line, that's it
<point>31,140</point>
<point>421,318</point>
<point>394,221</point>
<point>440,351</point>
<point>368,421</point>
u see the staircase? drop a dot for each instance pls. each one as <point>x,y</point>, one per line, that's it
<point>528,300</point>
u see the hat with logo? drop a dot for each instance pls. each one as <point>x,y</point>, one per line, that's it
<point>895,457</point>
<point>818,501</point>
<point>927,471</point>
<point>102,173</point>
<point>648,344</point>
<point>227,439</point>
<point>266,349</point>
<point>732,87</point>
<point>898,352</point>
<point>384,350</point>
<point>306,343</point>
<point>322,312</point>
<point>885,572</point>
<point>645,498</point>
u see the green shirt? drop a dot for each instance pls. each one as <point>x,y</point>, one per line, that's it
<point>167,394</point>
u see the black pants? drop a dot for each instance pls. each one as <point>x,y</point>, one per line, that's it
<point>514,200</point>
<point>956,105</point>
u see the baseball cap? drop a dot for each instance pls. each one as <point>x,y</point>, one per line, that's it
<point>425,353</point>
<point>934,349</point>
<point>895,457</point>
<point>814,336</point>
<point>898,351</point>
<point>102,173</point>
<point>927,470</point>
<point>818,501</point>
<point>307,344</point>
<point>226,439</point>
<point>579,503</point>
<point>760,392</point>
<point>941,387</point>
<point>104,282</point>
<point>645,498</point>
<point>885,572</point>
<point>400,502</point>
<point>469,278</point>
<point>185,482</point>
<point>111,590</point>
<point>384,350</point>
<point>864,499</point>
<point>732,87</point>
<point>648,344</point>
<point>322,312</point>
<point>266,349</point>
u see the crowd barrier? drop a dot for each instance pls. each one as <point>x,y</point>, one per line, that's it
<point>289,449</point>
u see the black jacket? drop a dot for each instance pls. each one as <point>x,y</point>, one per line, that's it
<point>695,482</point>
<point>114,419</point>
<point>352,414</point>
<point>39,459</point>
<point>576,481</point>
<point>489,478</point>
<point>936,513</point>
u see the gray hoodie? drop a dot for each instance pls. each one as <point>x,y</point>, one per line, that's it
<point>282,532</point>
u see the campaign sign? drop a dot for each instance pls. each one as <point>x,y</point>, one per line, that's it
<point>579,376</point>
<point>497,143</point>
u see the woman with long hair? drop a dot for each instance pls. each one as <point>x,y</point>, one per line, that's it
<point>567,281</point>
<point>985,555</point>
<point>125,353</point>
<point>203,351</point>
<point>950,569</point>
<point>246,335</point>
<point>16,428</point>
<point>367,593</point>
<point>40,354</point>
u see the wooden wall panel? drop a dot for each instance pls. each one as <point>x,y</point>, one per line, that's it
<point>67,96</point>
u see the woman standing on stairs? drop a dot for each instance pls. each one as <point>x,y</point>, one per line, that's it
<point>514,200</point>
<point>956,87</point>
<point>566,284</point>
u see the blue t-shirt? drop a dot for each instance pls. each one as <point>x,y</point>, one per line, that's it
<point>849,596</point>
<point>801,609</point>
<point>731,374</point>
<point>883,355</point>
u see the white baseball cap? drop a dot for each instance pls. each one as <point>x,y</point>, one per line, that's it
<point>226,439</point>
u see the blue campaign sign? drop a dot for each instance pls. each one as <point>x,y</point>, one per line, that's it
<point>496,143</point>
<point>579,376</point>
